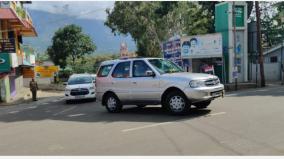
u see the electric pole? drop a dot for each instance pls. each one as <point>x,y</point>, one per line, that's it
<point>259,47</point>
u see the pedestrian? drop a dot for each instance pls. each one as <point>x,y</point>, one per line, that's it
<point>33,88</point>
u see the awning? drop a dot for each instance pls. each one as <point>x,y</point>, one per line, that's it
<point>29,30</point>
<point>24,27</point>
<point>10,15</point>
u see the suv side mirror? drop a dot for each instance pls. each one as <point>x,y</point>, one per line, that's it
<point>65,83</point>
<point>150,73</point>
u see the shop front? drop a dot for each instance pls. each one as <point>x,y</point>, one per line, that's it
<point>197,54</point>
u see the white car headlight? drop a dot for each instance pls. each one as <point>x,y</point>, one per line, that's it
<point>67,89</point>
<point>92,87</point>
<point>196,83</point>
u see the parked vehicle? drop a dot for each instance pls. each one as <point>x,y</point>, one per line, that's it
<point>154,81</point>
<point>80,86</point>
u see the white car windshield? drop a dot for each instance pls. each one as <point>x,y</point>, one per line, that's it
<point>80,80</point>
<point>165,66</point>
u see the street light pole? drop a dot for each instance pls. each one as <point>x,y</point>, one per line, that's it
<point>281,62</point>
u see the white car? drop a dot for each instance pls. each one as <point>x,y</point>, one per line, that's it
<point>80,86</point>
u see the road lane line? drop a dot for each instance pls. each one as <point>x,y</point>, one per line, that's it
<point>146,126</point>
<point>229,95</point>
<point>65,110</point>
<point>75,115</point>
<point>214,114</point>
<point>13,112</point>
<point>166,123</point>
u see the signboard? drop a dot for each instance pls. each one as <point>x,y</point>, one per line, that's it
<point>202,46</point>
<point>172,51</point>
<point>7,46</point>
<point>14,60</point>
<point>239,13</point>
<point>46,71</point>
<point>28,72</point>
<point>5,65</point>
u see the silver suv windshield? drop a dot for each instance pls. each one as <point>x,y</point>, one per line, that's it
<point>165,66</point>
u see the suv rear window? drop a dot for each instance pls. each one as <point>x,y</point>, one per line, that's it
<point>104,70</point>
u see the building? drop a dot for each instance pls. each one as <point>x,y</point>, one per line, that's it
<point>233,28</point>
<point>15,23</point>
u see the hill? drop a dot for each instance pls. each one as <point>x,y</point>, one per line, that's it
<point>47,23</point>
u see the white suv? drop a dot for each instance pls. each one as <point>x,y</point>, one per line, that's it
<point>154,81</point>
<point>80,86</point>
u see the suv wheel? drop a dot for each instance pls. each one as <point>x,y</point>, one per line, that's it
<point>113,104</point>
<point>202,105</point>
<point>177,103</point>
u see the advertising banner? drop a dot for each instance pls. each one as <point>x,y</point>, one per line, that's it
<point>201,46</point>
<point>172,51</point>
<point>5,64</point>
<point>7,46</point>
<point>46,71</point>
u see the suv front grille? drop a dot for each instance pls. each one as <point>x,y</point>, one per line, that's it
<point>79,91</point>
<point>212,82</point>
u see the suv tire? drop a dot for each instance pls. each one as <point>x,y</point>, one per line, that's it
<point>113,105</point>
<point>176,103</point>
<point>202,105</point>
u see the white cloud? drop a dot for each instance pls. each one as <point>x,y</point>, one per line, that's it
<point>79,9</point>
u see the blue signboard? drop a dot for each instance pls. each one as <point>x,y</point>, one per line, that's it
<point>5,64</point>
<point>172,51</point>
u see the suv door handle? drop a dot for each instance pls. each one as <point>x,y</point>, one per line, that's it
<point>134,82</point>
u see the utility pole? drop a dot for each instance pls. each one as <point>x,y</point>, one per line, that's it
<point>235,56</point>
<point>259,47</point>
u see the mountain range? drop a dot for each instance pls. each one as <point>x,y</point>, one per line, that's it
<point>47,23</point>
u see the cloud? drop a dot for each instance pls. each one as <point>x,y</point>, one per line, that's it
<point>79,9</point>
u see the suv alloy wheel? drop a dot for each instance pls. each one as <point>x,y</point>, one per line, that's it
<point>113,104</point>
<point>177,103</point>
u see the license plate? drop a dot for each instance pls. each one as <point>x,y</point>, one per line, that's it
<point>216,94</point>
<point>79,97</point>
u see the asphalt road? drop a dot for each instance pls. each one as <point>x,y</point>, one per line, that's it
<point>243,123</point>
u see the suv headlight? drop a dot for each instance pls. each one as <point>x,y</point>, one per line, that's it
<point>92,87</point>
<point>196,83</point>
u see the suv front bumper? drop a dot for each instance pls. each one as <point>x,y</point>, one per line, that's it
<point>204,93</point>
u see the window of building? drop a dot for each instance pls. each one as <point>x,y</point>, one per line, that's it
<point>273,59</point>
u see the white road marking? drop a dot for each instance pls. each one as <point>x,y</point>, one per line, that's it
<point>44,103</point>
<point>164,123</point>
<point>214,114</point>
<point>13,112</point>
<point>33,107</point>
<point>74,115</point>
<point>65,110</point>
<point>229,95</point>
<point>146,126</point>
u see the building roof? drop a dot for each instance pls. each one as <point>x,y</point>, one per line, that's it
<point>23,25</point>
<point>276,47</point>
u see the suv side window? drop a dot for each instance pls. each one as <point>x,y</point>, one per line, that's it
<point>104,70</point>
<point>122,70</point>
<point>140,68</point>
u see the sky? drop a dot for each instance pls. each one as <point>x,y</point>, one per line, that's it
<point>80,9</point>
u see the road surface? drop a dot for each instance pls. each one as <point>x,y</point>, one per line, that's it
<point>247,122</point>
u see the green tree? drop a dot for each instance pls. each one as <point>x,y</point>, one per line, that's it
<point>70,42</point>
<point>150,23</point>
